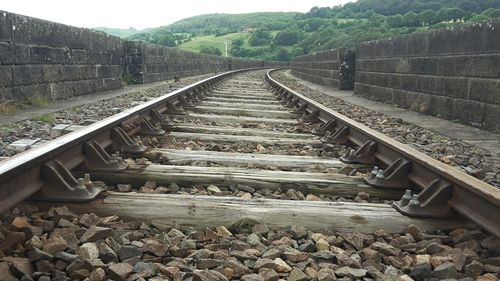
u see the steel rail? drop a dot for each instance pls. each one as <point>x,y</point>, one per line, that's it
<point>469,196</point>
<point>21,175</point>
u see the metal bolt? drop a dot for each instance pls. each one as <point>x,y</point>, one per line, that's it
<point>414,200</point>
<point>81,184</point>
<point>406,198</point>
<point>86,179</point>
<point>380,174</point>
<point>351,153</point>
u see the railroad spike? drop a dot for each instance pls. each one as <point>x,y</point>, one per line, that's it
<point>157,117</point>
<point>147,128</point>
<point>431,202</point>
<point>312,117</point>
<point>395,176</point>
<point>364,155</point>
<point>322,128</point>
<point>338,137</point>
<point>97,159</point>
<point>123,143</point>
<point>61,185</point>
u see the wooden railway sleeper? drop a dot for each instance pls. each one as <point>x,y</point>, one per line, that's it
<point>160,118</point>
<point>365,154</point>
<point>322,128</point>
<point>123,143</point>
<point>431,202</point>
<point>395,176</point>
<point>340,136</point>
<point>147,128</point>
<point>97,159</point>
<point>60,185</point>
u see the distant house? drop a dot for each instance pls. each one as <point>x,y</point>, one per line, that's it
<point>249,30</point>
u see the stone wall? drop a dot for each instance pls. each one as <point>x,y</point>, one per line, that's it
<point>148,63</point>
<point>45,59</point>
<point>333,68</point>
<point>452,73</point>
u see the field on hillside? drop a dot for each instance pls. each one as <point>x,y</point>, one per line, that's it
<point>198,42</point>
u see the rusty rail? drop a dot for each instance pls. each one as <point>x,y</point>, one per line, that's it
<point>438,189</point>
<point>44,171</point>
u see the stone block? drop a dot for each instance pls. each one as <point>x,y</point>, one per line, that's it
<point>485,90</point>
<point>423,65</point>
<point>6,95</point>
<point>395,81</point>
<point>491,117</point>
<point>441,107</point>
<point>418,101</point>
<point>78,56</point>
<point>49,55</point>
<point>74,72</point>
<point>82,87</point>
<point>471,39</point>
<point>23,93</point>
<point>429,84</point>
<point>112,83</point>
<point>409,82</point>
<point>14,54</point>
<point>53,72</point>
<point>5,75</point>
<point>5,26</point>
<point>418,44</point>
<point>61,90</point>
<point>27,75</point>
<point>445,66</point>
<point>485,65</point>
<point>467,111</point>
<point>492,36</point>
<point>402,65</point>
<point>399,98</point>
<point>455,87</point>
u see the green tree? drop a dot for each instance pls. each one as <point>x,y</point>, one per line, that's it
<point>260,37</point>
<point>287,37</point>
<point>167,40</point>
<point>283,55</point>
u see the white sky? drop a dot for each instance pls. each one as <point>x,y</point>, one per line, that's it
<point>147,13</point>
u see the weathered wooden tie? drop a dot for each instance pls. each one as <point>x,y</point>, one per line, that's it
<point>242,139</point>
<point>239,119</point>
<point>210,211</point>
<point>278,114</point>
<point>283,162</point>
<point>316,183</point>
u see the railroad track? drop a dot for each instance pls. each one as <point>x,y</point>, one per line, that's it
<point>241,148</point>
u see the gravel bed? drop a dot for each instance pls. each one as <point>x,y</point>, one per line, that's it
<point>87,114</point>
<point>242,191</point>
<point>465,157</point>
<point>60,245</point>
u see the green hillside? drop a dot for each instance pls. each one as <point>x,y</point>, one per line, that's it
<point>285,35</point>
<point>120,32</point>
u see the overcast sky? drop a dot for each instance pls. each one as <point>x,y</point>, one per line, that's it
<point>147,13</point>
